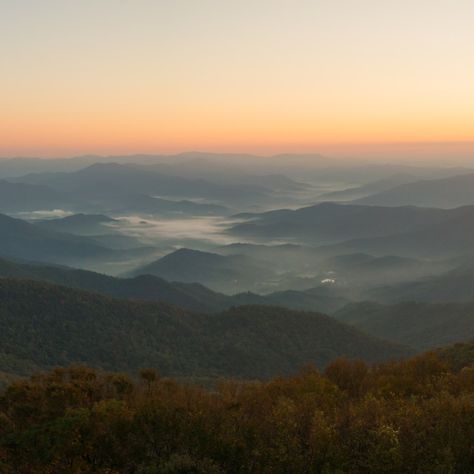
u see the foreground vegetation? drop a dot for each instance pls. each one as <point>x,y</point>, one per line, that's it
<point>414,416</point>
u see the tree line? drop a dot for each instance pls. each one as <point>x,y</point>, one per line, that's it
<point>412,416</point>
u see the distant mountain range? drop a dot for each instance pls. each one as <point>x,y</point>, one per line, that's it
<point>363,174</point>
<point>226,173</point>
<point>18,197</point>
<point>112,179</point>
<point>125,203</point>
<point>369,188</point>
<point>191,163</point>
<point>101,229</point>
<point>379,231</point>
<point>330,222</point>
<point>23,240</point>
<point>442,193</point>
<point>309,166</point>
<point>200,184</point>
<point>27,241</point>
<point>451,236</point>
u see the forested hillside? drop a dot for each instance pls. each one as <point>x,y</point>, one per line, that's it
<point>419,325</point>
<point>192,296</point>
<point>46,325</point>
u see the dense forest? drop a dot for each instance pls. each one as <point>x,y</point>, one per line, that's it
<point>44,325</point>
<point>414,416</point>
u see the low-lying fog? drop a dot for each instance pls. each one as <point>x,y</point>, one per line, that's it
<point>204,232</point>
<point>375,239</point>
<point>43,214</point>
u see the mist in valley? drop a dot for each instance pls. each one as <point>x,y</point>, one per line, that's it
<point>236,226</point>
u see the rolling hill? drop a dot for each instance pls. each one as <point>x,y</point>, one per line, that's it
<point>125,179</point>
<point>368,189</point>
<point>18,197</point>
<point>331,222</point>
<point>190,296</point>
<point>450,237</point>
<point>450,286</point>
<point>80,224</point>
<point>151,205</point>
<point>226,173</point>
<point>229,274</point>
<point>459,355</point>
<point>22,240</point>
<point>48,325</point>
<point>446,193</point>
<point>98,227</point>
<point>419,325</point>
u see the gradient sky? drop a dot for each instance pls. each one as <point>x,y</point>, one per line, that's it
<point>125,76</point>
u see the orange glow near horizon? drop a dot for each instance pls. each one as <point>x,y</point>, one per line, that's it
<point>258,77</point>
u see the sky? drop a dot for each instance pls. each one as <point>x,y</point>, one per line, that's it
<point>261,76</point>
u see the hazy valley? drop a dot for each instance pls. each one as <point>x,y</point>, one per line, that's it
<point>208,233</point>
